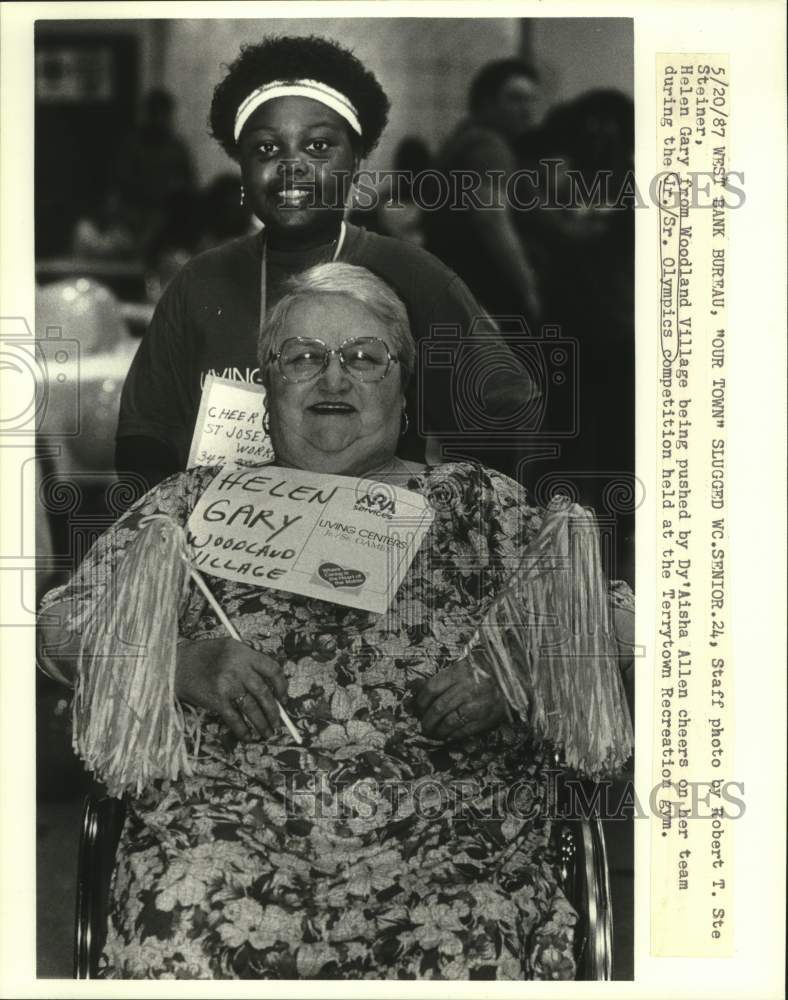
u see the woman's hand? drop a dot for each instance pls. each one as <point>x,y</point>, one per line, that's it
<point>459,701</point>
<point>233,681</point>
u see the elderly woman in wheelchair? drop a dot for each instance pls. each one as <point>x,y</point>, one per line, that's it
<point>408,832</point>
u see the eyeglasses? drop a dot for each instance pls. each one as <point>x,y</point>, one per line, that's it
<point>366,359</point>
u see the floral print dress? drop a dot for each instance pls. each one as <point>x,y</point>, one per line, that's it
<point>372,851</point>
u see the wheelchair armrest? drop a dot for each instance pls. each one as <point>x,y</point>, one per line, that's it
<point>584,877</point>
<point>102,823</point>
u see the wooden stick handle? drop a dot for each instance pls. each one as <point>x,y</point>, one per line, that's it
<point>197,577</point>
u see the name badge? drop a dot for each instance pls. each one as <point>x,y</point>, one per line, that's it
<point>229,428</point>
<point>338,538</point>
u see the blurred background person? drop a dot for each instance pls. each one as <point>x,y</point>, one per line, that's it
<point>582,243</point>
<point>395,210</point>
<point>224,214</point>
<point>474,233</point>
<point>104,230</point>
<point>173,243</point>
<point>153,165</point>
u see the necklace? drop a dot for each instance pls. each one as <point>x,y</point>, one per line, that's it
<point>325,250</point>
<point>337,243</point>
<point>396,466</point>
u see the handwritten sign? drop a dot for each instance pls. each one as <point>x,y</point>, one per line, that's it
<point>341,539</point>
<point>229,428</point>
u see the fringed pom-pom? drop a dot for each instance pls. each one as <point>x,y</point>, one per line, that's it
<point>128,726</point>
<point>549,641</point>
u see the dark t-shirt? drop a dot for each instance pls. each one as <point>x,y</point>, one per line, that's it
<point>207,322</point>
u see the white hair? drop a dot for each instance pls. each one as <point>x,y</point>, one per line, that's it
<point>355,283</point>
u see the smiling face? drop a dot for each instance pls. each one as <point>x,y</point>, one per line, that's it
<point>297,162</point>
<point>334,424</point>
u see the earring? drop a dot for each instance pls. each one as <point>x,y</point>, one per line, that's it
<point>243,195</point>
<point>404,425</point>
<point>266,422</point>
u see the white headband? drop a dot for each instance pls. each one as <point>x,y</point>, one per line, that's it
<point>296,88</point>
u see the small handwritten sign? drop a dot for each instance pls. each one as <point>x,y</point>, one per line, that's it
<point>229,428</point>
<point>341,539</point>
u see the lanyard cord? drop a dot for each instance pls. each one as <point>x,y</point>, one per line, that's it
<point>264,269</point>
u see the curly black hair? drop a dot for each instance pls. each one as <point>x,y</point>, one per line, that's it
<point>286,57</point>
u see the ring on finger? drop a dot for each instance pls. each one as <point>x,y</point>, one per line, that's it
<point>237,704</point>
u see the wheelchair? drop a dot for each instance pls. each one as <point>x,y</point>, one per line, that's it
<point>582,870</point>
